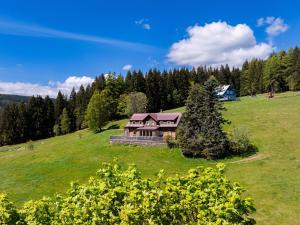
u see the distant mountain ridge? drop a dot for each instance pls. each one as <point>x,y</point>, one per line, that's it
<point>6,99</point>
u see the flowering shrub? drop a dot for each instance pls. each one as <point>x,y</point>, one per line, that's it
<point>121,196</point>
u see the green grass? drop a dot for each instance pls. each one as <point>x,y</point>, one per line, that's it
<point>273,179</point>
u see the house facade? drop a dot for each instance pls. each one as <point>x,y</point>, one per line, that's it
<point>226,93</point>
<point>152,125</point>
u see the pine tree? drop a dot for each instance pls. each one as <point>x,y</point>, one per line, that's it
<point>72,108</point>
<point>99,83</point>
<point>81,104</point>
<point>153,80</point>
<point>129,82</point>
<point>170,87</point>
<point>200,132</point>
<point>60,104</point>
<point>22,123</point>
<point>9,132</point>
<point>50,115</point>
<point>138,81</point>
<point>36,112</point>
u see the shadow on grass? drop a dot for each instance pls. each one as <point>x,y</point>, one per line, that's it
<point>113,127</point>
<point>252,150</point>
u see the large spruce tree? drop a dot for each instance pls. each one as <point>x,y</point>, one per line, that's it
<point>200,132</point>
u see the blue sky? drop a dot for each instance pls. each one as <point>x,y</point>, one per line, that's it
<point>56,44</point>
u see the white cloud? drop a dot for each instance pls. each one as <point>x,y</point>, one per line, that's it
<point>28,89</point>
<point>260,22</point>
<point>127,67</point>
<point>144,23</point>
<point>275,26</point>
<point>146,26</point>
<point>22,29</point>
<point>218,43</point>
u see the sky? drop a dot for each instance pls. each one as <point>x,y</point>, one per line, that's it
<point>46,46</point>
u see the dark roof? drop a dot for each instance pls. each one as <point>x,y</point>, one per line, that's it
<point>157,117</point>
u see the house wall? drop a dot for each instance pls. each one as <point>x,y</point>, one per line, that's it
<point>132,132</point>
<point>169,132</point>
<point>229,95</point>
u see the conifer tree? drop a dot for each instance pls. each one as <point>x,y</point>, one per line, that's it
<point>60,104</point>
<point>72,108</point>
<point>200,132</point>
<point>129,82</point>
<point>153,80</point>
<point>50,115</point>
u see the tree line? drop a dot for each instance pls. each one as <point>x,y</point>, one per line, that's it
<point>44,117</point>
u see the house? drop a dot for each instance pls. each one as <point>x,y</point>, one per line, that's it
<point>152,125</point>
<point>226,93</point>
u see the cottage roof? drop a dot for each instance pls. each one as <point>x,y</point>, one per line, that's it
<point>222,89</point>
<point>157,117</point>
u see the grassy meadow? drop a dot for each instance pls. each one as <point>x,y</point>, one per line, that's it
<point>271,177</point>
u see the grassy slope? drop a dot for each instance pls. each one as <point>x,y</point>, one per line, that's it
<point>273,181</point>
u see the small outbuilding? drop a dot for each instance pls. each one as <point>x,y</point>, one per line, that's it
<point>226,93</point>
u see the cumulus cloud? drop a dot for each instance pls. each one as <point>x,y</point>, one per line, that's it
<point>218,43</point>
<point>28,89</point>
<point>275,26</point>
<point>144,23</point>
<point>127,67</point>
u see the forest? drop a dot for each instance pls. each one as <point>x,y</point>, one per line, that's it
<point>42,117</point>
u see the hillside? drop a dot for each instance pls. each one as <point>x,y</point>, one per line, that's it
<point>271,177</point>
<point>8,99</point>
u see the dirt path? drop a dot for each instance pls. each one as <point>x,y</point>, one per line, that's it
<point>251,158</point>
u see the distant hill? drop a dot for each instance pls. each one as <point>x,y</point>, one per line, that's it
<point>7,99</point>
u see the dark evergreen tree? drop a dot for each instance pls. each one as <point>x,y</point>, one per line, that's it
<point>236,80</point>
<point>60,104</point>
<point>71,109</point>
<point>138,81</point>
<point>9,125</point>
<point>200,132</point>
<point>153,80</point>
<point>50,115</point>
<point>22,123</point>
<point>129,82</point>
<point>81,104</point>
<point>163,90</point>
<point>170,87</point>
<point>36,112</point>
<point>99,83</point>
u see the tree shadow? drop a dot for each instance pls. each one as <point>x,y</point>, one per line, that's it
<point>252,150</point>
<point>113,127</point>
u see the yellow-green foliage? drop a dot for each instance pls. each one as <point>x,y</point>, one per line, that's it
<point>8,212</point>
<point>121,196</point>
